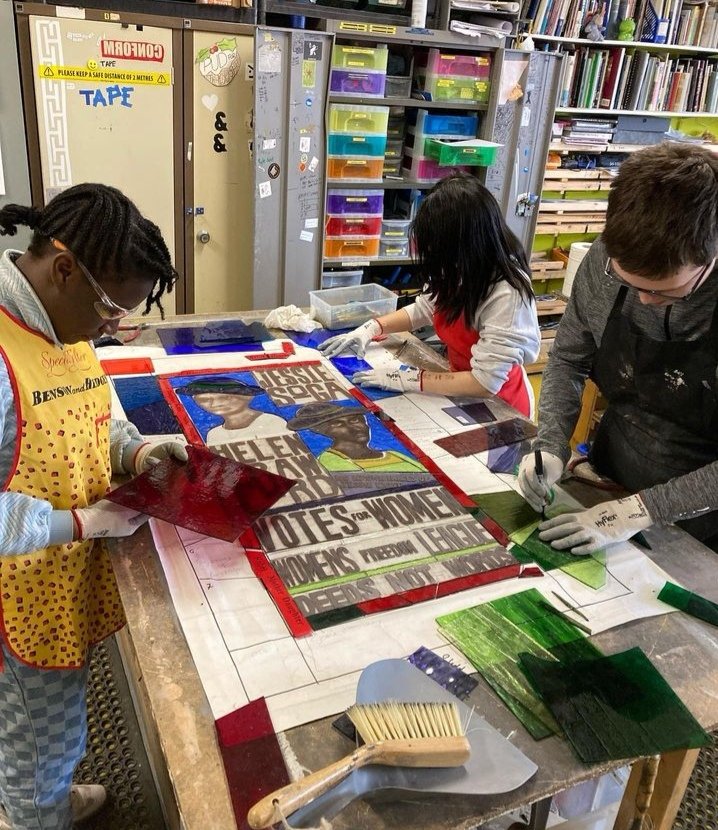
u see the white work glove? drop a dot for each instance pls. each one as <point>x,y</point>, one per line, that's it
<point>355,341</point>
<point>393,380</point>
<point>105,520</point>
<point>590,530</point>
<point>538,493</point>
<point>147,455</point>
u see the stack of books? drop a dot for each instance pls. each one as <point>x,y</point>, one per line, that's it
<point>586,132</point>
<point>634,79</point>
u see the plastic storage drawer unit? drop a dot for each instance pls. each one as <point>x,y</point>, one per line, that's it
<point>340,308</point>
<point>434,123</point>
<point>474,152</point>
<point>355,202</point>
<point>348,118</point>
<point>346,144</point>
<point>353,226</point>
<point>359,57</point>
<point>349,82</point>
<point>361,169</point>
<point>467,66</point>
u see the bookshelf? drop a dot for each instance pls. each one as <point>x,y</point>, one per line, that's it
<point>628,44</point>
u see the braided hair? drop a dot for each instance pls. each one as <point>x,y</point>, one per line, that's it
<point>104,229</point>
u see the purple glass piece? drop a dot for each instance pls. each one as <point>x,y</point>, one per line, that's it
<point>209,494</point>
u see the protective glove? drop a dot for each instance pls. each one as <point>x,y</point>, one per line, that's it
<point>355,341</point>
<point>149,455</point>
<point>393,380</point>
<point>105,519</point>
<point>590,530</point>
<point>537,493</point>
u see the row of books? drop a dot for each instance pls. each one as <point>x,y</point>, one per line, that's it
<point>680,22</point>
<point>626,79</point>
<point>584,132</point>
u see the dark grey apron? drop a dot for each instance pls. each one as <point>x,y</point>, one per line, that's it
<point>662,414</point>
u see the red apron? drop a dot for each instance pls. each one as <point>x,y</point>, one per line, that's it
<point>459,339</point>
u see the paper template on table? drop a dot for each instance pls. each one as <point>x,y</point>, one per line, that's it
<point>242,645</point>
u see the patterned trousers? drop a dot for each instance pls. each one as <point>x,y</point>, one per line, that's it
<point>43,735</point>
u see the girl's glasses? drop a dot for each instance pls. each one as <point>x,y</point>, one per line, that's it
<point>106,308</point>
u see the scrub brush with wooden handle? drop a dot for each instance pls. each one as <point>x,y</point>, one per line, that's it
<point>396,734</point>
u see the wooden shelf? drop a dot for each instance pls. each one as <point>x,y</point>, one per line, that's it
<point>374,101</point>
<point>545,308</point>
<point>629,44</point>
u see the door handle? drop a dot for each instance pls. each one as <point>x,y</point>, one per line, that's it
<point>203,237</point>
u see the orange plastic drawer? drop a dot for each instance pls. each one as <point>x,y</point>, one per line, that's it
<point>351,248</point>
<point>369,169</point>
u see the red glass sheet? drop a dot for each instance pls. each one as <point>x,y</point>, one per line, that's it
<point>500,434</point>
<point>253,761</point>
<point>208,494</point>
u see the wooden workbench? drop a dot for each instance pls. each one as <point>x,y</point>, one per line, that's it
<point>179,727</point>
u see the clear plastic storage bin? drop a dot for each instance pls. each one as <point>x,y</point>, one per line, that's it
<point>392,168</point>
<point>341,279</point>
<point>339,308</point>
<point>474,152</point>
<point>391,248</point>
<point>397,86</point>
<point>458,89</point>
<point>395,229</point>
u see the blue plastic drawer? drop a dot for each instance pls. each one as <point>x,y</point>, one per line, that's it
<point>434,123</point>
<point>346,144</point>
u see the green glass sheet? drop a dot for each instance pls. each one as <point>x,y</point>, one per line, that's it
<point>690,603</point>
<point>509,510</point>
<point>591,570</point>
<point>614,707</point>
<point>516,516</point>
<point>493,634</point>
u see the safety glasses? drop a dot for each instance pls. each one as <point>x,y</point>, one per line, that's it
<point>694,283</point>
<point>106,308</point>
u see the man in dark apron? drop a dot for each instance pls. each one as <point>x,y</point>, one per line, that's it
<point>642,322</point>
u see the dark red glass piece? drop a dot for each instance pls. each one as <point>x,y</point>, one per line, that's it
<point>210,494</point>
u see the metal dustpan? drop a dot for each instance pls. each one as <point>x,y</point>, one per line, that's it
<point>496,766</point>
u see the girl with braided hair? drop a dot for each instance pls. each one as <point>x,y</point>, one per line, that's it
<point>93,260</point>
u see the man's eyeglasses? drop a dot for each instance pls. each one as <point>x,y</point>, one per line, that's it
<point>694,284</point>
<point>106,308</point>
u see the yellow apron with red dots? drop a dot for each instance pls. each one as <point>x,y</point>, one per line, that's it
<point>56,602</point>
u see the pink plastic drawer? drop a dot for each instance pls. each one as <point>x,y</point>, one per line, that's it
<point>466,66</point>
<point>427,170</point>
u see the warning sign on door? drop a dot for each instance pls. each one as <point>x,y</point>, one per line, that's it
<point>49,72</point>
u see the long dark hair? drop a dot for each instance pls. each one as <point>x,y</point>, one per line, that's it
<point>463,247</point>
<point>102,227</point>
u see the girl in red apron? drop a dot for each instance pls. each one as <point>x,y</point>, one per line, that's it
<point>477,295</point>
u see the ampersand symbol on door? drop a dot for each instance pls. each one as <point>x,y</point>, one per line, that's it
<point>219,144</point>
<point>220,123</point>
